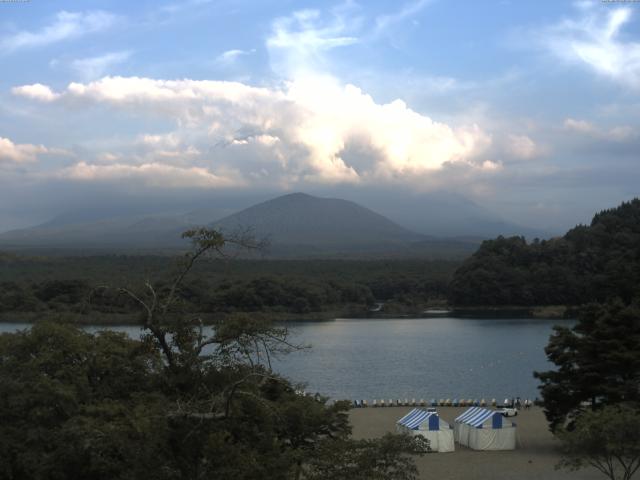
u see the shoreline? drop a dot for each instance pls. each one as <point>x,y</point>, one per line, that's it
<point>555,312</point>
<point>536,455</point>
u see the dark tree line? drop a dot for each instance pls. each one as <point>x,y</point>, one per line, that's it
<point>589,264</point>
<point>264,286</point>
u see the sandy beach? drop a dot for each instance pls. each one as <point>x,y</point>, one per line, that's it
<point>535,457</point>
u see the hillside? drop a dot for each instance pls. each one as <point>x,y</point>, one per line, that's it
<point>589,263</point>
<point>305,220</point>
<point>146,232</point>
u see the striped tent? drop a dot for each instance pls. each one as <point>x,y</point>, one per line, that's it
<point>429,425</point>
<point>483,429</point>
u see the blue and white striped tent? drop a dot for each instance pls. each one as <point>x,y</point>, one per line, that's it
<point>418,419</point>
<point>478,416</point>
<point>430,426</point>
<point>483,429</point>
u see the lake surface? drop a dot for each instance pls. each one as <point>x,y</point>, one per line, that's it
<point>413,358</point>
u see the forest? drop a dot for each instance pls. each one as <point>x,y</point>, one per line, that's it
<point>590,263</point>
<point>87,287</point>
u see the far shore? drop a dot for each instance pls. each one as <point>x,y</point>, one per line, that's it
<point>551,312</point>
<point>535,457</point>
<point>532,311</point>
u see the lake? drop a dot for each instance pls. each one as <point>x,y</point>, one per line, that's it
<point>413,357</point>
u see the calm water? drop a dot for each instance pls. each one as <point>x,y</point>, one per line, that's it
<point>413,358</point>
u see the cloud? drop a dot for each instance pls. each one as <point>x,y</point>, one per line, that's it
<point>312,130</point>
<point>596,40</point>
<point>230,56</point>
<point>168,146</point>
<point>298,43</point>
<point>36,91</point>
<point>615,134</point>
<point>173,8</point>
<point>383,22</point>
<point>581,126</point>
<point>303,41</point>
<point>491,165</point>
<point>95,67</point>
<point>148,174</point>
<point>19,153</point>
<point>66,25</point>
<point>522,147</point>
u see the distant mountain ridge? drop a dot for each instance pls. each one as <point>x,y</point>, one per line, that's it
<point>296,224</point>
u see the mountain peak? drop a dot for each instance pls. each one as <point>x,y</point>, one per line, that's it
<point>302,219</point>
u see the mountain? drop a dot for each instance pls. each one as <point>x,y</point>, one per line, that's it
<point>296,225</point>
<point>305,220</point>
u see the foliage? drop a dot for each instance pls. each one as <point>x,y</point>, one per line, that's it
<point>51,286</point>
<point>177,404</point>
<point>383,459</point>
<point>590,263</point>
<point>598,362</point>
<point>607,439</point>
<point>74,405</point>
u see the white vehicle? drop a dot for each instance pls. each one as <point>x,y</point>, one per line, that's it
<point>509,411</point>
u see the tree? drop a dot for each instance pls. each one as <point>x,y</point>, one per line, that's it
<point>75,405</point>
<point>598,362</point>
<point>177,404</point>
<point>591,263</point>
<point>607,439</point>
<point>384,459</point>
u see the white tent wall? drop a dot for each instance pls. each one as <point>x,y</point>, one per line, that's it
<point>440,441</point>
<point>462,436</point>
<point>481,429</point>
<point>444,441</point>
<point>439,433</point>
<point>493,439</point>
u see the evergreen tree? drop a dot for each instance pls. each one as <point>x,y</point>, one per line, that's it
<point>598,362</point>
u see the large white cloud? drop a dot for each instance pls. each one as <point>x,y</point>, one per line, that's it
<point>35,91</point>
<point>313,129</point>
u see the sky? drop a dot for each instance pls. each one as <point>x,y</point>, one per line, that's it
<point>530,109</point>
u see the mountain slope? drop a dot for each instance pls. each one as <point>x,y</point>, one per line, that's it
<point>301,219</point>
<point>119,232</point>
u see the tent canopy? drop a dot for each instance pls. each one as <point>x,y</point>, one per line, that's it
<point>477,416</point>
<point>417,417</point>
<point>428,425</point>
